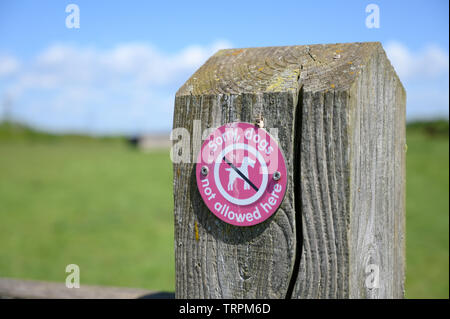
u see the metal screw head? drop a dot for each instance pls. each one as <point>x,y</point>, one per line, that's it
<point>259,122</point>
<point>276,176</point>
<point>204,170</point>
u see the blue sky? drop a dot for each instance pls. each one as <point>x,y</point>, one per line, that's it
<point>119,71</point>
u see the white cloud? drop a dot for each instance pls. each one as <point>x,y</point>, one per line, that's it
<point>127,88</point>
<point>8,65</point>
<point>130,87</point>
<point>424,73</point>
<point>430,62</point>
<point>140,62</point>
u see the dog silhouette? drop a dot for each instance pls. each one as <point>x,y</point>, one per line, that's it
<point>233,175</point>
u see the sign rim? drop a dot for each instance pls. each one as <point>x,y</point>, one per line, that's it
<point>199,163</point>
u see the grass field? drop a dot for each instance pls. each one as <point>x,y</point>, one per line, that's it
<point>427,213</point>
<point>99,204</point>
<point>108,208</point>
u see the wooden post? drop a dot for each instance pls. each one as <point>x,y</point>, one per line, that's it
<point>339,233</point>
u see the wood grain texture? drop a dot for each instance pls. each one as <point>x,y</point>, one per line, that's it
<point>323,160</point>
<point>278,69</point>
<point>377,180</point>
<point>215,259</point>
<point>340,113</point>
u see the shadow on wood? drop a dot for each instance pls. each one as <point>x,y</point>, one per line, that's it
<point>218,229</point>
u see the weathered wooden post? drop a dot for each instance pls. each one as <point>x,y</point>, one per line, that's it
<point>339,232</point>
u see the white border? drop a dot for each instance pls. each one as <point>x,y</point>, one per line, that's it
<point>218,182</point>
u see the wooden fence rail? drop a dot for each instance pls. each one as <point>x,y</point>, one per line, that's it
<point>339,233</point>
<point>33,289</point>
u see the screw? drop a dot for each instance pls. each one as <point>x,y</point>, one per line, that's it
<point>259,122</point>
<point>205,171</point>
<point>276,176</point>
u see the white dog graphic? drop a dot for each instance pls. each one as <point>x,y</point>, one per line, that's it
<point>246,162</point>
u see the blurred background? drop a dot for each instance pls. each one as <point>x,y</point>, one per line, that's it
<point>86,110</point>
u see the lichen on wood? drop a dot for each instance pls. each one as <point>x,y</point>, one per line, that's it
<point>340,114</point>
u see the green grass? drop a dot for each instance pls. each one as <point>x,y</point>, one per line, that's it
<point>108,208</point>
<point>427,213</point>
<point>101,205</point>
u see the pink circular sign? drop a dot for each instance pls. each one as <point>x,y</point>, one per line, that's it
<point>241,174</point>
